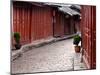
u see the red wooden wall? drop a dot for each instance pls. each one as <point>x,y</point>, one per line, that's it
<point>59,24</point>
<point>62,25</point>
<point>93,65</point>
<point>32,22</point>
<point>88,27</point>
<point>21,21</point>
<point>41,25</point>
<point>67,26</point>
<point>35,21</point>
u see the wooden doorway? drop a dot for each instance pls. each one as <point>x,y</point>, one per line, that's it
<point>22,21</point>
<point>89,35</point>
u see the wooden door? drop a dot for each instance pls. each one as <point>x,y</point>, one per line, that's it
<point>93,65</point>
<point>21,21</point>
<point>89,36</point>
<point>66,26</point>
<point>59,25</point>
<point>41,23</point>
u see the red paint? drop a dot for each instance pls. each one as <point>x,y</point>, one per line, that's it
<point>88,27</point>
<point>41,25</point>
<point>59,24</point>
<point>21,21</point>
<point>32,22</point>
<point>62,25</point>
<point>35,21</point>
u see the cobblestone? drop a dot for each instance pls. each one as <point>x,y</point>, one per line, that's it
<point>57,56</point>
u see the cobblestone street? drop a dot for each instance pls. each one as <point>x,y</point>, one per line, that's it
<point>58,56</point>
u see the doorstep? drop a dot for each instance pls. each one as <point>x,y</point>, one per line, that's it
<point>36,44</point>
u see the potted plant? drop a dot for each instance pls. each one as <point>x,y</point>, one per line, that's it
<point>76,42</point>
<point>17,40</point>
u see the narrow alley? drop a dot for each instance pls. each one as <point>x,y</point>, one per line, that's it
<point>58,56</point>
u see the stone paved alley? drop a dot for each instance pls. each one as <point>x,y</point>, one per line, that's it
<point>58,56</point>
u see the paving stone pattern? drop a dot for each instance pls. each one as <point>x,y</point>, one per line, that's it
<point>58,56</point>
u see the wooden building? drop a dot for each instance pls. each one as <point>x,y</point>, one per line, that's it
<point>88,27</point>
<point>64,23</point>
<point>32,21</point>
<point>35,21</point>
<point>41,22</point>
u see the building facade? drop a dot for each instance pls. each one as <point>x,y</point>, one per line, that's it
<point>35,21</point>
<point>88,27</point>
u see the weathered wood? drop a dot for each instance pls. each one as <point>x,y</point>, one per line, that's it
<point>36,21</point>
<point>41,25</point>
<point>88,28</point>
<point>21,21</point>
